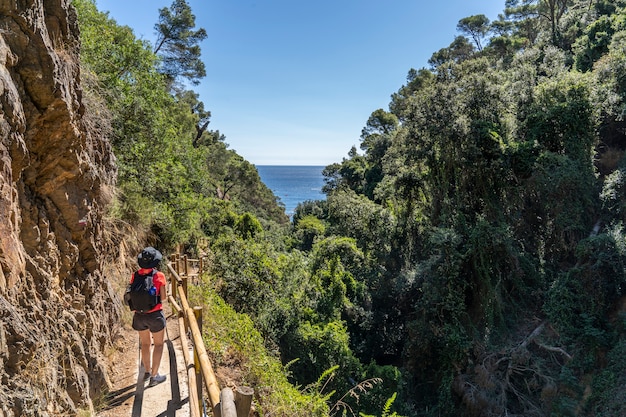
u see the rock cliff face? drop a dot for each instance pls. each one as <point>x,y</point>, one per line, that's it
<point>56,307</point>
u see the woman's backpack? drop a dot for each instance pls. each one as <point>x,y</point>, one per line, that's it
<point>141,294</point>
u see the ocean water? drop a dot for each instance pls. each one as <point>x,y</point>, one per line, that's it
<point>293,184</point>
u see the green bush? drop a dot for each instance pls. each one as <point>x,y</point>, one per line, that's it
<point>313,348</point>
<point>231,337</point>
<point>307,229</point>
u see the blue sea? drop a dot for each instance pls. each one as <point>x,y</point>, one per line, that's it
<point>293,184</point>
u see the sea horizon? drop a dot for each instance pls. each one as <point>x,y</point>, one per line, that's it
<point>290,165</point>
<point>293,184</point>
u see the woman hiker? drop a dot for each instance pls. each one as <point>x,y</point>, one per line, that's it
<point>147,292</point>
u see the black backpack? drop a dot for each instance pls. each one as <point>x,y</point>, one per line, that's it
<point>141,294</point>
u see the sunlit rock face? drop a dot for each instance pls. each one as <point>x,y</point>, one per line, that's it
<point>56,306</point>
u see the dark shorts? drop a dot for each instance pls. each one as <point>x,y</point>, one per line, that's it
<point>155,321</point>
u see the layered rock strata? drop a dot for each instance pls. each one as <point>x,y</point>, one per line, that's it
<point>56,307</point>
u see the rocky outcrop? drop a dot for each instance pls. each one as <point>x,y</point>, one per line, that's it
<point>56,307</point>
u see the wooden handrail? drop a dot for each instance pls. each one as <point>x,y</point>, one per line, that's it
<point>208,375</point>
<point>194,401</point>
<point>205,364</point>
<point>174,304</point>
<point>222,403</point>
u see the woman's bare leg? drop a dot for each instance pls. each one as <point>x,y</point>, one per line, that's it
<point>144,340</point>
<point>157,338</point>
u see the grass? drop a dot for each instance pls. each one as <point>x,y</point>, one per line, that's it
<point>232,341</point>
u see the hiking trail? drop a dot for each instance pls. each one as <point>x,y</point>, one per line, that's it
<point>130,395</point>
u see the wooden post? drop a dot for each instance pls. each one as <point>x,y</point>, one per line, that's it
<point>174,287</point>
<point>173,279</point>
<point>227,403</point>
<point>185,279</point>
<point>184,288</point>
<point>172,262</point>
<point>200,269</point>
<point>185,266</point>
<point>197,312</point>
<point>177,264</point>
<point>243,401</point>
<point>185,306</point>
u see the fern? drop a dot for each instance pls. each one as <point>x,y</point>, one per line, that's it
<point>386,408</point>
<point>322,382</point>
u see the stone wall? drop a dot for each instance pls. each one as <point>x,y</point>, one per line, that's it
<point>57,310</point>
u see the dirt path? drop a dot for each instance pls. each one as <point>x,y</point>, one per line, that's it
<point>130,396</point>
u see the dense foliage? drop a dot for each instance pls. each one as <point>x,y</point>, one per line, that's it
<point>176,177</point>
<point>504,269</point>
<point>470,260</point>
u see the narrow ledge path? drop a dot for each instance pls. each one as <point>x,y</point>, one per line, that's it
<point>130,395</point>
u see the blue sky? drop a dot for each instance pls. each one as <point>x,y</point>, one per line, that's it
<point>292,82</point>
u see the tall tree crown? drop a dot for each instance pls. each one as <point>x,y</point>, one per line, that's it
<point>178,43</point>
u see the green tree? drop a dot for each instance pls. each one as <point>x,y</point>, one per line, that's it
<point>525,20</point>
<point>476,27</point>
<point>169,166</point>
<point>459,50</point>
<point>307,230</point>
<point>597,36</point>
<point>197,108</point>
<point>315,348</point>
<point>376,138</point>
<point>177,42</point>
<point>552,11</point>
<point>248,226</point>
<point>415,81</point>
<point>149,127</point>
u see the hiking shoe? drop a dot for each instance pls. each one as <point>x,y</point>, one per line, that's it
<point>157,379</point>
<point>146,376</point>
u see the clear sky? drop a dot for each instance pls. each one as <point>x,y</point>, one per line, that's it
<point>292,82</point>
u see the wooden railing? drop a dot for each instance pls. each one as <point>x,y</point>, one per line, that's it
<point>225,402</point>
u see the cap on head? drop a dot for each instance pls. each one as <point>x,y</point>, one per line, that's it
<point>149,258</point>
